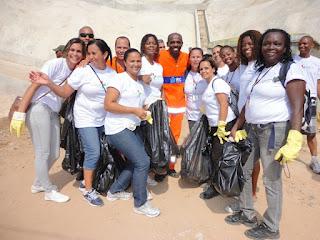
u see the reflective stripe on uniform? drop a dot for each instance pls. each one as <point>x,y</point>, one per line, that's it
<point>176,110</point>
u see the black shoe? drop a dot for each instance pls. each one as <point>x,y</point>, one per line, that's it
<point>262,232</point>
<point>210,192</point>
<point>173,173</point>
<point>79,175</point>
<point>159,178</point>
<point>239,218</point>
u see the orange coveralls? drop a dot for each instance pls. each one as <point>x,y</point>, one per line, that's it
<point>173,77</point>
<point>115,66</point>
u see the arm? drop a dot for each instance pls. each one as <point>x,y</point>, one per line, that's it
<point>239,123</point>
<point>145,78</point>
<point>41,78</point>
<point>318,88</point>
<point>295,90</point>
<point>163,96</point>
<point>27,97</point>
<point>222,99</point>
<point>111,105</point>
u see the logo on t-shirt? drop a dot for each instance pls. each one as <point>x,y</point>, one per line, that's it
<point>139,93</point>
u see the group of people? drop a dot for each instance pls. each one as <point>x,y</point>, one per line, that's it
<point>114,95</point>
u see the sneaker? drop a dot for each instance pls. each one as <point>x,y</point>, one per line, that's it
<point>210,192</point>
<point>56,197</point>
<point>262,232</point>
<point>151,182</point>
<point>119,195</point>
<point>92,197</point>
<point>173,173</point>
<point>147,209</point>
<point>149,196</point>
<point>239,218</point>
<point>82,187</point>
<point>37,189</point>
<point>233,207</point>
<point>314,165</point>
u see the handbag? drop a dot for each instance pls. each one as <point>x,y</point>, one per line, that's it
<point>16,103</point>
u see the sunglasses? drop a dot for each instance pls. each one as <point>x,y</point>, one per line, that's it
<point>87,34</point>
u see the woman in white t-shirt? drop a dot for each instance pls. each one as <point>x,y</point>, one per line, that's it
<point>42,118</point>
<point>220,116</point>
<point>247,55</point>
<point>125,105</point>
<point>89,113</point>
<point>228,56</point>
<point>275,114</point>
<point>194,87</point>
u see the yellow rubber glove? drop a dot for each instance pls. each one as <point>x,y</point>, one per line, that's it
<point>240,135</point>
<point>18,122</point>
<point>221,132</point>
<point>149,118</point>
<point>290,151</point>
<point>318,117</point>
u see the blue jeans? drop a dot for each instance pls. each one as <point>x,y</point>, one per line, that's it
<point>90,138</point>
<point>130,144</point>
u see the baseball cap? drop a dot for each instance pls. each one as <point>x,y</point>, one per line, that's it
<point>60,48</point>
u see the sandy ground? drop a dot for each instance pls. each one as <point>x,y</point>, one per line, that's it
<point>183,214</point>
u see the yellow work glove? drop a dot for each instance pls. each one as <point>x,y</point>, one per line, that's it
<point>318,118</point>
<point>18,122</point>
<point>240,135</point>
<point>290,151</point>
<point>149,118</point>
<point>221,132</point>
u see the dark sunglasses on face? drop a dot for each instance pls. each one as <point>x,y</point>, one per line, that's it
<point>87,34</point>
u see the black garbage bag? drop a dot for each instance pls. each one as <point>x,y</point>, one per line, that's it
<point>230,175</point>
<point>109,167</point>
<point>70,141</point>
<point>196,163</point>
<point>159,142</point>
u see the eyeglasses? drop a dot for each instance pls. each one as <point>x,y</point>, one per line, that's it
<point>87,34</point>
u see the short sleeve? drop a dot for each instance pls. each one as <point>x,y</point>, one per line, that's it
<point>116,82</point>
<point>50,68</point>
<point>220,86</point>
<point>78,77</point>
<point>295,72</point>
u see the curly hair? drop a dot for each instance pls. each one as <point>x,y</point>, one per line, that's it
<point>254,36</point>
<point>286,57</point>
<point>143,43</point>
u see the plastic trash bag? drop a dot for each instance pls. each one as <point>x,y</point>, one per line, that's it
<point>229,177</point>
<point>71,142</point>
<point>196,163</point>
<point>109,167</point>
<point>159,142</point>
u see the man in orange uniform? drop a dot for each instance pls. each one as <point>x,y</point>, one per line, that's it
<point>122,44</point>
<point>174,63</point>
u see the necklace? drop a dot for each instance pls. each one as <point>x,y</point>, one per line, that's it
<point>231,77</point>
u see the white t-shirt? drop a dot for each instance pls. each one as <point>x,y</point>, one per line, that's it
<point>57,70</point>
<point>233,78</point>
<point>131,95</point>
<point>88,108</point>
<point>194,87</point>
<point>246,73</point>
<point>268,100</point>
<point>223,71</point>
<point>153,90</point>
<point>311,68</point>
<point>211,103</point>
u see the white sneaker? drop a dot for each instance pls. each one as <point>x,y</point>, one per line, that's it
<point>149,196</point>
<point>56,197</point>
<point>147,209</point>
<point>37,189</point>
<point>119,195</point>
<point>314,165</point>
<point>151,182</point>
